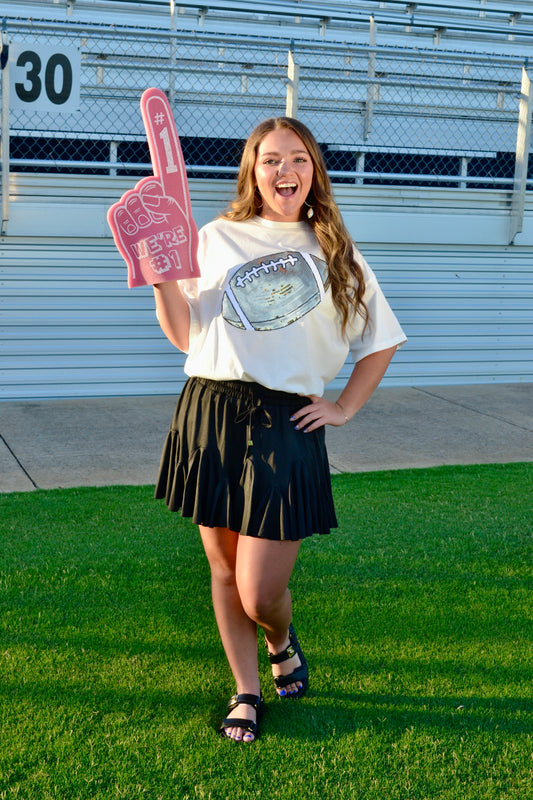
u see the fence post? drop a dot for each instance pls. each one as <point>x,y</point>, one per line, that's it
<point>172,52</point>
<point>4,141</point>
<point>293,75</point>
<point>113,157</point>
<point>372,88</point>
<point>523,136</point>
<point>464,171</point>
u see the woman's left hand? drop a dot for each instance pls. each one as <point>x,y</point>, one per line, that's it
<point>318,413</point>
<point>364,379</point>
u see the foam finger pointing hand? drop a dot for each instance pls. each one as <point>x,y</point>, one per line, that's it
<point>165,147</point>
<point>152,224</point>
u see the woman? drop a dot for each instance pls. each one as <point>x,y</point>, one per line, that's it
<point>284,296</point>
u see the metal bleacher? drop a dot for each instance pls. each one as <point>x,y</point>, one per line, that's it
<point>427,92</point>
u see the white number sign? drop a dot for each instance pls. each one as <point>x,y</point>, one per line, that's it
<point>44,78</point>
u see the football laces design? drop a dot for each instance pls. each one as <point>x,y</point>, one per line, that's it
<point>274,291</point>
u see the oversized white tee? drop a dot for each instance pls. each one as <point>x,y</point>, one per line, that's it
<point>260,310</point>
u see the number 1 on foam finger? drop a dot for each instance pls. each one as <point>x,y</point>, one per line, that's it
<point>165,137</point>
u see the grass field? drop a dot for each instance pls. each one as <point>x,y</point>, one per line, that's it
<point>415,617</point>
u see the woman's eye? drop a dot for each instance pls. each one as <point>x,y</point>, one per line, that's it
<point>272,162</point>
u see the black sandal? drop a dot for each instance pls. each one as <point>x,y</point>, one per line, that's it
<point>300,674</point>
<point>247,724</point>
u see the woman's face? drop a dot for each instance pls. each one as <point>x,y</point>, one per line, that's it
<point>284,174</point>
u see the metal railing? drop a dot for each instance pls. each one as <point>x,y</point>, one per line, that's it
<point>382,114</point>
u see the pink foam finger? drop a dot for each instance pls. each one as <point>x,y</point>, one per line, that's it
<point>165,147</point>
<point>167,161</point>
<point>152,224</point>
<point>160,250</point>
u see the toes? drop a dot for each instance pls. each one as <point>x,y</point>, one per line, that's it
<point>291,688</point>
<point>234,733</point>
<point>238,734</point>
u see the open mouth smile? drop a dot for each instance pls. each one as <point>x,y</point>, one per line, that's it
<point>286,189</point>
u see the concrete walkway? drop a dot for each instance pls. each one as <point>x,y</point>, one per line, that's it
<point>96,442</point>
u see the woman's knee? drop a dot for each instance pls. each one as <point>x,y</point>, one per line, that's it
<point>263,571</point>
<point>223,573</point>
<point>220,550</point>
<point>262,605</point>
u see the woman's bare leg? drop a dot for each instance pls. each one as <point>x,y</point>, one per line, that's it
<point>249,584</point>
<point>263,571</point>
<point>237,631</point>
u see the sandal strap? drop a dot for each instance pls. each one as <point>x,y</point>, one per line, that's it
<point>253,700</point>
<point>279,658</point>
<point>299,674</point>
<point>291,650</point>
<point>245,724</point>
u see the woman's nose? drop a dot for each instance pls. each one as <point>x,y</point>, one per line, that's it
<point>283,168</point>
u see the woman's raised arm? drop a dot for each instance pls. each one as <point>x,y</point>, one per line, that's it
<point>173,313</point>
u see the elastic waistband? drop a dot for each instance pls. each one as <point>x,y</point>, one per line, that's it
<point>252,391</point>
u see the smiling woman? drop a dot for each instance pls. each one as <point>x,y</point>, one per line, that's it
<point>284,175</point>
<point>283,296</point>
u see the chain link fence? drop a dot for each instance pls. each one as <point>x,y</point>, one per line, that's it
<point>381,114</point>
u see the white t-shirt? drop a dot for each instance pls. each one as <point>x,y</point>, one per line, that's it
<point>260,311</point>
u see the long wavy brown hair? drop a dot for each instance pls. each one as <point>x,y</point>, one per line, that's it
<point>345,275</point>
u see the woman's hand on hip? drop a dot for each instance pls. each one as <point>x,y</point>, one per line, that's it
<point>319,412</point>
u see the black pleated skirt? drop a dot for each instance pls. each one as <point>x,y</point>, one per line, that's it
<point>232,459</point>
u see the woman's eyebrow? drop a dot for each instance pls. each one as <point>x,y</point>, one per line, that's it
<point>275,153</point>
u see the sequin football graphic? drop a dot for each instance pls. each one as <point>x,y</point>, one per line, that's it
<point>274,291</point>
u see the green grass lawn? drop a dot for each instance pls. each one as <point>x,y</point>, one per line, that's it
<point>415,617</point>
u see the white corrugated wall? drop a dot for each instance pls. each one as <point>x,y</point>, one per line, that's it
<point>69,327</point>
<point>468,312</point>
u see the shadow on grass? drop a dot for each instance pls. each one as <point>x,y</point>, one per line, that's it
<point>396,712</point>
<point>336,709</point>
<point>147,687</point>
